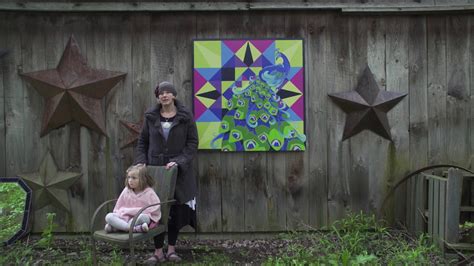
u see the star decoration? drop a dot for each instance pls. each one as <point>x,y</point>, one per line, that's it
<point>367,107</point>
<point>73,91</point>
<point>135,129</point>
<point>50,185</point>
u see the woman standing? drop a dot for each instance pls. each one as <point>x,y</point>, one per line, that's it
<point>169,138</point>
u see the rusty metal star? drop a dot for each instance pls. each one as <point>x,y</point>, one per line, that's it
<point>50,185</point>
<point>135,129</point>
<point>367,106</point>
<point>73,91</point>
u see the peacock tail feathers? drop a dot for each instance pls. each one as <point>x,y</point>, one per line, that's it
<point>256,119</point>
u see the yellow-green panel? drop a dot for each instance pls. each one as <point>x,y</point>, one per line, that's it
<point>207,54</point>
<point>293,49</point>
<point>207,131</point>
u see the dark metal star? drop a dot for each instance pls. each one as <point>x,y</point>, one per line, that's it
<point>366,107</point>
<point>73,91</point>
<point>50,185</point>
<point>135,129</point>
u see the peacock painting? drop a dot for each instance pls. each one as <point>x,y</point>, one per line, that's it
<point>249,95</point>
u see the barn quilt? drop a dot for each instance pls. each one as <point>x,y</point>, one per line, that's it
<point>249,94</point>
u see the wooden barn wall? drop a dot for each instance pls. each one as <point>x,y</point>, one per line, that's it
<point>427,56</point>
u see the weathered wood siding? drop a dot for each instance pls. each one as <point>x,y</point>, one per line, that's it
<point>427,56</point>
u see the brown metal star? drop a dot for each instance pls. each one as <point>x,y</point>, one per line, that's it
<point>50,185</point>
<point>73,91</point>
<point>135,129</point>
<point>367,107</point>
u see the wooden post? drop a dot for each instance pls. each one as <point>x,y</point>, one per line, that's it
<point>453,203</point>
<point>419,206</point>
<point>430,206</point>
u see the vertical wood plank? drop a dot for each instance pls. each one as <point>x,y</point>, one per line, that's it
<point>33,44</point>
<point>3,74</point>
<point>430,206</point>
<point>420,203</point>
<point>296,172</point>
<point>442,214</point>
<point>378,155</point>
<point>410,207</point>
<point>437,88</point>
<point>234,180</point>
<point>142,89</point>
<point>255,175</point>
<point>338,80</point>
<point>117,102</point>
<point>453,204</point>
<point>262,186</point>
<point>276,198</point>
<point>417,97</point>
<point>93,147</point>
<point>359,155</point>
<point>211,173</point>
<point>398,117</point>
<point>70,136</point>
<point>35,149</point>
<point>53,48</point>
<point>316,127</point>
<point>458,108</point>
<point>471,103</point>
<point>436,200</point>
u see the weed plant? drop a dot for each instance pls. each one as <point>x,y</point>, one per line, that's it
<point>47,235</point>
<point>357,239</point>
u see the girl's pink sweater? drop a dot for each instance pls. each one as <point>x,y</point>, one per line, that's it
<point>129,203</point>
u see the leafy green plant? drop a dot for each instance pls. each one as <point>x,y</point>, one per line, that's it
<point>116,258</point>
<point>359,222</point>
<point>47,234</point>
<point>467,225</point>
<point>467,232</point>
<point>12,204</point>
<point>16,254</point>
<point>358,239</point>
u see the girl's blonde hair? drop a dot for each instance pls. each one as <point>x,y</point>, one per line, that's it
<point>145,179</point>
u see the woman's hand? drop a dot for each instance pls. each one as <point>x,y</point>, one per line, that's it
<point>170,164</point>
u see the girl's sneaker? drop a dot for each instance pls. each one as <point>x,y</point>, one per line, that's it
<point>143,228</point>
<point>108,228</point>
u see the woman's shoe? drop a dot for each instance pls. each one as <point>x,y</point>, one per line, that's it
<point>173,257</point>
<point>154,260</point>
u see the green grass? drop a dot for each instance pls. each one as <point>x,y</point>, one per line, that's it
<point>12,205</point>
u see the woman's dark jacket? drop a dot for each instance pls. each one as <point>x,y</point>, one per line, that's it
<point>152,149</point>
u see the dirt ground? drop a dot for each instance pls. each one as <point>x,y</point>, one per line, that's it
<point>75,249</point>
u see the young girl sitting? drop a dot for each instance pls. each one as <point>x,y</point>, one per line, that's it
<point>138,193</point>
